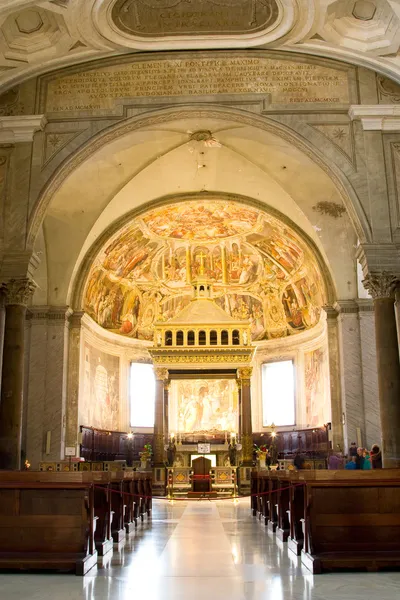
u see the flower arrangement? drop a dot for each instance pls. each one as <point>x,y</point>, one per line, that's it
<point>261,451</point>
<point>146,453</point>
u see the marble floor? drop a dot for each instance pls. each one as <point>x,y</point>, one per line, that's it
<point>201,550</point>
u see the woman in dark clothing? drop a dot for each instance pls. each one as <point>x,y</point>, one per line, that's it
<point>376,457</point>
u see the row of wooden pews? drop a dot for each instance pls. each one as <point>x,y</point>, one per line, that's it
<point>64,521</point>
<point>333,519</point>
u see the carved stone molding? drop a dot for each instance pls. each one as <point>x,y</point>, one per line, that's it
<point>75,319</point>
<point>346,307</point>
<point>381,285</point>
<point>20,129</point>
<point>331,314</point>
<point>161,374</point>
<point>376,117</point>
<point>19,291</point>
<point>53,314</point>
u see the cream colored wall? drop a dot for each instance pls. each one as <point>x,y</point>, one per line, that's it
<point>146,165</point>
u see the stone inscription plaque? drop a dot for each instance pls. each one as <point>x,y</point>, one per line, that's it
<point>176,17</point>
<point>287,82</point>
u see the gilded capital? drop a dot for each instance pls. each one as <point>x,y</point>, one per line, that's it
<point>161,374</point>
<point>19,291</point>
<point>381,285</point>
<point>244,373</point>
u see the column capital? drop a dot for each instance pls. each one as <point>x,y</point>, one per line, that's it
<point>376,117</point>
<point>20,128</point>
<point>161,374</point>
<point>19,291</point>
<point>244,373</point>
<point>381,285</point>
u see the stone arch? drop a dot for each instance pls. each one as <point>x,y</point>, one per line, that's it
<point>162,116</point>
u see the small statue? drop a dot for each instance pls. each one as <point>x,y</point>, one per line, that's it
<point>171,453</point>
<point>245,338</point>
<point>232,450</point>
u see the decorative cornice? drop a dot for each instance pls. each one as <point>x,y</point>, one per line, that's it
<point>381,285</point>
<point>75,319</point>
<point>20,129</point>
<point>331,313</point>
<point>365,305</point>
<point>54,314</point>
<point>346,307</point>
<point>376,117</point>
<point>19,291</point>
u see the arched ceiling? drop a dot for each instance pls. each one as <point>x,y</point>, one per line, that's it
<point>166,160</point>
<point>38,36</point>
<point>261,270</point>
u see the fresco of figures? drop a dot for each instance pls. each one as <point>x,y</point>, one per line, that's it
<point>259,268</point>
<point>317,387</point>
<point>99,399</point>
<point>204,405</point>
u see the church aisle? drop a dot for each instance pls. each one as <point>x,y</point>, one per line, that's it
<point>201,551</point>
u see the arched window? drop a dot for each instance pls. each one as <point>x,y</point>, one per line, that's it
<point>202,338</point>
<point>190,338</point>
<point>278,393</point>
<point>168,338</point>
<point>224,338</point>
<point>142,393</point>
<point>179,338</point>
<point>213,338</point>
<point>235,337</point>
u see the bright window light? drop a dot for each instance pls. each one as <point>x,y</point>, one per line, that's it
<point>278,393</point>
<point>142,387</point>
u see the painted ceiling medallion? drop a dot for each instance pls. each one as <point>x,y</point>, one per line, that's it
<point>177,17</point>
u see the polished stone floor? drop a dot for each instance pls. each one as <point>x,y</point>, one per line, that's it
<point>201,550</point>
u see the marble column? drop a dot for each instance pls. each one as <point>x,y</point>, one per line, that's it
<point>246,433</point>
<point>161,381</point>
<point>73,376</point>
<point>166,411</point>
<point>351,373</point>
<point>382,289</point>
<point>334,377</point>
<point>17,295</point>
<point>366,317</point>
<point>46,389</point>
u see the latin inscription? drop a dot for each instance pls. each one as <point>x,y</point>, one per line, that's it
<point>174,17</point>
<point>286,82</point>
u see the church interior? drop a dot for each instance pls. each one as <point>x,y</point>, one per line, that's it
<point>200,299</point>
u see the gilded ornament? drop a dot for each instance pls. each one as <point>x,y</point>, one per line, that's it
<point>161,374</point>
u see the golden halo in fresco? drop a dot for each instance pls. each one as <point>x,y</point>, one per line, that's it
<point>203,221</point>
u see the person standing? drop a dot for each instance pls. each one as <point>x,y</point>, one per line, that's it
<point>376,457</point>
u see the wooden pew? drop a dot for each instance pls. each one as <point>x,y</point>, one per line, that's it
<point>351,520</point>
<point>47,521</point>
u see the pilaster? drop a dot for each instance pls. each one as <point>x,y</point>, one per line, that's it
<point>72,400</point>
<point>334,377</point>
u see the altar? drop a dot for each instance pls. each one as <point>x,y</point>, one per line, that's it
<point>203,407</point>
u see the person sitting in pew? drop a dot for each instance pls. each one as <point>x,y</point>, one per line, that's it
<point>376,457</point>
<point>351,465</point>
<point>367,461</point>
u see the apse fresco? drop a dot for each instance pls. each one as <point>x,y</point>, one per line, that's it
<point>202,405</point>
<point>317,387</point>
<point>260,270</point>
<point>99,400</point>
